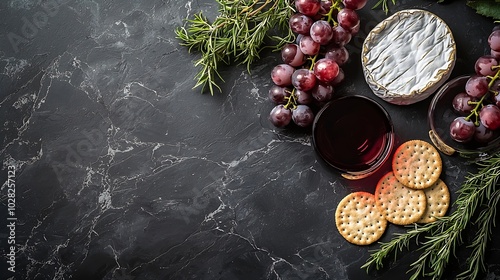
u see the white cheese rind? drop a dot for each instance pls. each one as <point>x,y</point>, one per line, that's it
<point>408,56</point>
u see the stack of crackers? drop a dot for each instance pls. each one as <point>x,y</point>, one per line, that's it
<point>411,193</point>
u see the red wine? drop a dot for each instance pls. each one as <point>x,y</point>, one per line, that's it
<point>353,134</point>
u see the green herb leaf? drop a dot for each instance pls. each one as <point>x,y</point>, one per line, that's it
<point>236,35</point>
<point>384,5</point>
<point>488,8</point>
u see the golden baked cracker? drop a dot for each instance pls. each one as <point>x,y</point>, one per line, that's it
<point>417,164</point>
<point>438,201</point>
<point>400,205</point>
<point>358,219</point>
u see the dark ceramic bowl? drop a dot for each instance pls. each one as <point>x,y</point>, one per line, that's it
<point>353,134</point>
<point>440,116</point>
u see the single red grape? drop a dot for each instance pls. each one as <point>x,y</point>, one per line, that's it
<point>341,37</point>
<point>323,92</point>
<point>354,4</point>
<point>282,74</point>
<point>308,46</point>
<point>303,97</point>
<point>321,32</point>
<point>477,86</point>
<point>483,135</point>
<point>326,70</point>
<point>280,116</point>
<point>303,79</point>
<point>308,7</point>
<point>337,54</point>
<point>292,55</point>
<point>490,116</point>
<point>494,40</point>
<point>484,64</point>
<point>278,94</point>
<point>348,19</point>
<point>303,116</point>
<point>461,103</point>
<point>300,23</point>
<point>326,5</point>
<point>462,130</point>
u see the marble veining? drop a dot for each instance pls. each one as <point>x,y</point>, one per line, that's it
<point>123,171</point>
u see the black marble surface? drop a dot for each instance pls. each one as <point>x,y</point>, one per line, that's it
<point>123,171</point>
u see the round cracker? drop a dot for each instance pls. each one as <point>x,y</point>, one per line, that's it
<point>358,219</point>
<point>400,205</point>
<point>438,201</point>
<point>417,164</point>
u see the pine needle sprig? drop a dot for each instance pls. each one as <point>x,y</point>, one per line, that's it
<point>237,34</point>
<point>476,205</point>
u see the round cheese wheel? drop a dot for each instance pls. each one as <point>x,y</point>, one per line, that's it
<point>408,56</point>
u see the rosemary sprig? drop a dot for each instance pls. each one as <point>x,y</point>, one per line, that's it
<point>237,35</point>
<point>478,199</point>
<point>384,5</point>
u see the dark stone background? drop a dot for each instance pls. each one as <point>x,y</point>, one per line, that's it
<point>123,171</point>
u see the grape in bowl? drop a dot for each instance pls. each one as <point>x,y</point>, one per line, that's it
<point>450,120</point>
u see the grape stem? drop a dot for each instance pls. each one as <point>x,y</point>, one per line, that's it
<point>494,78</point>
<point>313,61</point>
<point>479,104</point>
<point>336,6</point>
<point>291,101</point>
<point>475,112</point>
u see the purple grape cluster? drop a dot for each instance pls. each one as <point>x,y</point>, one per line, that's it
<point>312,64</point>
<point>479,105</point>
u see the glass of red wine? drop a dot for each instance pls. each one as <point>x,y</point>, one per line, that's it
<point>353,134</point>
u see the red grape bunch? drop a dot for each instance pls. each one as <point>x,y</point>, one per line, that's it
<point>311,66</point>
<point>479,105</point>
